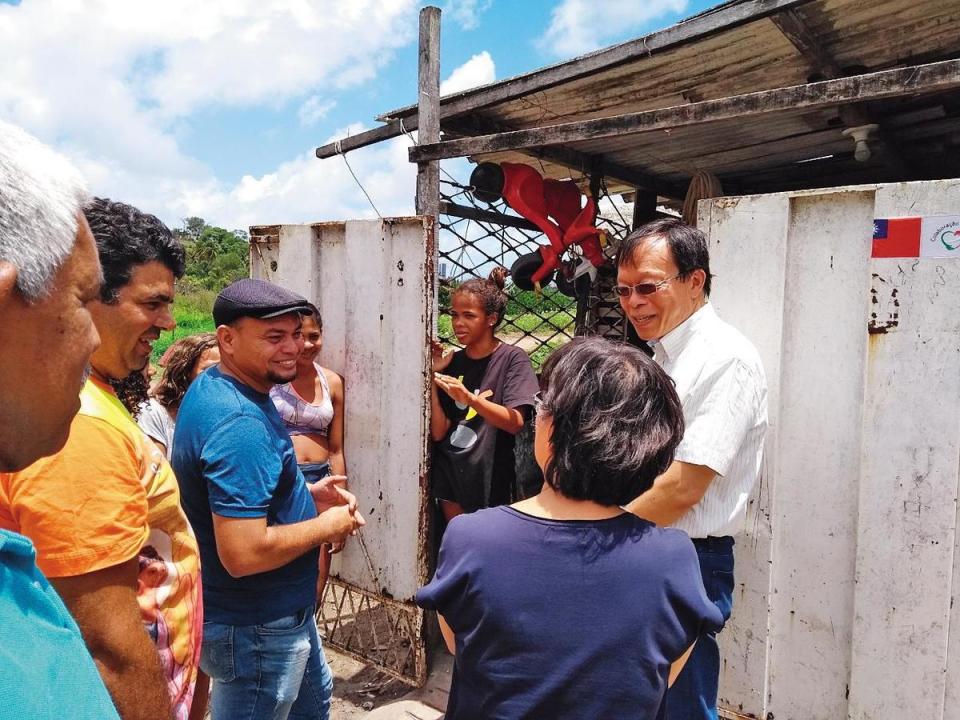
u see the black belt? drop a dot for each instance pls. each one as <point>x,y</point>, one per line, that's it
<point>713,544</point>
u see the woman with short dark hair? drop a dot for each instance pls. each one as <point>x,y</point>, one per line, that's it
<point>564,605</point>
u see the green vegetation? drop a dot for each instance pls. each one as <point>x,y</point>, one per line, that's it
<point>192,309</point>
<point>215,258</point>
<point>538,316</point>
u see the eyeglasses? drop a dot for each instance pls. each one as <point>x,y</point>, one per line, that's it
<point>647,288</point>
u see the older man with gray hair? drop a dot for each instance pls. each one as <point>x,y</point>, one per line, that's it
<point>49,273</point>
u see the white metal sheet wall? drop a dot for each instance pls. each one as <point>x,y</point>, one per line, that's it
<point>846,567</point>
<point>373,283</point>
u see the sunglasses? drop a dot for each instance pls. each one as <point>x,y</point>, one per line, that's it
<point>647,288</point>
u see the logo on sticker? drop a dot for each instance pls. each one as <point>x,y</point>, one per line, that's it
<point>941,236</point>
<point>950,238</point>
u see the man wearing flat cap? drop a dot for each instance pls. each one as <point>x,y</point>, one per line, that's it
<point>258,524</point>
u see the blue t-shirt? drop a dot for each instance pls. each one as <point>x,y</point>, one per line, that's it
<point>47,672</point>
<point>233,457</point>
<point>565,618</point>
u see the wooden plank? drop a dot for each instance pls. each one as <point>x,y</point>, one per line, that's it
<point>872,86</point>
<point>721,19</point>
<point>724,18</point>
<point>428,172</point>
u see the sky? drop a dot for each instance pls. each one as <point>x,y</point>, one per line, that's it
<point>214,108</point>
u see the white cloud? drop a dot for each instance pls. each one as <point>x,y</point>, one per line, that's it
<point>306,189</point>
<point>314,110</point>
<point>579,26</point>
<point>478,70</point>
<point>466,13</point>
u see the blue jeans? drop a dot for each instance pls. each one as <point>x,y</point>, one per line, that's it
<point>694,694</point>
<point>272,671</point>
<point>314,472</point>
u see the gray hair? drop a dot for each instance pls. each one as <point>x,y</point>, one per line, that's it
<point>41,193</point>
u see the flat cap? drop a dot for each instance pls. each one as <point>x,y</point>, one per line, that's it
<point>258,299</point>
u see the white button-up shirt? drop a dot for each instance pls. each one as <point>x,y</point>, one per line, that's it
<point>723,389</point>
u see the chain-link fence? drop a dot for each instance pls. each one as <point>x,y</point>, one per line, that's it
<point>477,236</point>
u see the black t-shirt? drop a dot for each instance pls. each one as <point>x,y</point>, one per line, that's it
<point>474,464</point>
<point>565,619</point>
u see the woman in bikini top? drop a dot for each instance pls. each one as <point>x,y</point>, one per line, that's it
<point>311,407</point>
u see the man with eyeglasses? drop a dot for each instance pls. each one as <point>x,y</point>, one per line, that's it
<point>663,282</point>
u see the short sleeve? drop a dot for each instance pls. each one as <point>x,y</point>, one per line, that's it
<point>520,384</point>
<point>450,581</point>
<point>85,508</point>
<point>154,424</point>
<point>694,612</point>
<point>718,415</point>
<point>241,467</point>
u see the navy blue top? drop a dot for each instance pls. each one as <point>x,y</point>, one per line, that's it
<point>565,618</point>
<point>233,457</point>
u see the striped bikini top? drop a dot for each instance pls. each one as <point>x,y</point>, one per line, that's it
<point>299,416</point>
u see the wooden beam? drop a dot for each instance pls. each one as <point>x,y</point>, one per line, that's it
<point>701,26</point>
<point>873,86</point>
<point>428,171</point>
<point>644,207</point>
<point>584,163</point>
<point>796,31</point>
<point>487,216</point>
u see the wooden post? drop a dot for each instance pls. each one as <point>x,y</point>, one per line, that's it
<point>644,207</point>
<point>428,110</point>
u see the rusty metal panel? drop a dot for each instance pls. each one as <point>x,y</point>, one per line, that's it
<point>905,653</point>
<point>373,282</point>
<point>818,453</point>
<point>844,606</point>
<point>731,224</point>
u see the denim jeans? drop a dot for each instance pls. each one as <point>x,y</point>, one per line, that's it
<point>272,671</point>
<point>694,694</point>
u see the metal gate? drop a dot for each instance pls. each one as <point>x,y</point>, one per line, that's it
<point>373,282</point>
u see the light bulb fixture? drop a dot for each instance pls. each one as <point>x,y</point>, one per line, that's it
<point>860,135</point>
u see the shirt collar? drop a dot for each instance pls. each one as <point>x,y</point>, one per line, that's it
<point>671,344</point>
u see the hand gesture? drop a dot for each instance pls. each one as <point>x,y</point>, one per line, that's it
<point>344,520</point>
<point>454,388</point>
<point>324,492</point>
<point>440,359</point>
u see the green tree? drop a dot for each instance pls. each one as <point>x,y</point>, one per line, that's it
<point>215,257</point>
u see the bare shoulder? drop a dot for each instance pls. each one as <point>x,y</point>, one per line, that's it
<point>334,380</point>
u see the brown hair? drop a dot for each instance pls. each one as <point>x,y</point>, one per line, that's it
<point>179,360</point>
<point>490,292</point>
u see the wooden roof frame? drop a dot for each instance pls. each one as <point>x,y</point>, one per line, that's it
<point>931,77</point>
<point>720,19</point>
<point>469,132</point>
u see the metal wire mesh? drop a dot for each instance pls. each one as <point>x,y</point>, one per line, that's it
<point>470,247</point>
<point>374,629</point>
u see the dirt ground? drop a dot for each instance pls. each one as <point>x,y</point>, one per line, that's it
<point>358,688</point>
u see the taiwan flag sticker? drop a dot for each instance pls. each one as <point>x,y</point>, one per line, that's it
<point>896,237</point>
<point>941,237</point>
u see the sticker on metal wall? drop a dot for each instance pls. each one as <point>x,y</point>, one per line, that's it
<point>935,236</point>
<point>940,237</point>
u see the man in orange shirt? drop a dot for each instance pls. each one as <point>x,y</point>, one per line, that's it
<point>49,278</point>
<point>104,512</point>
